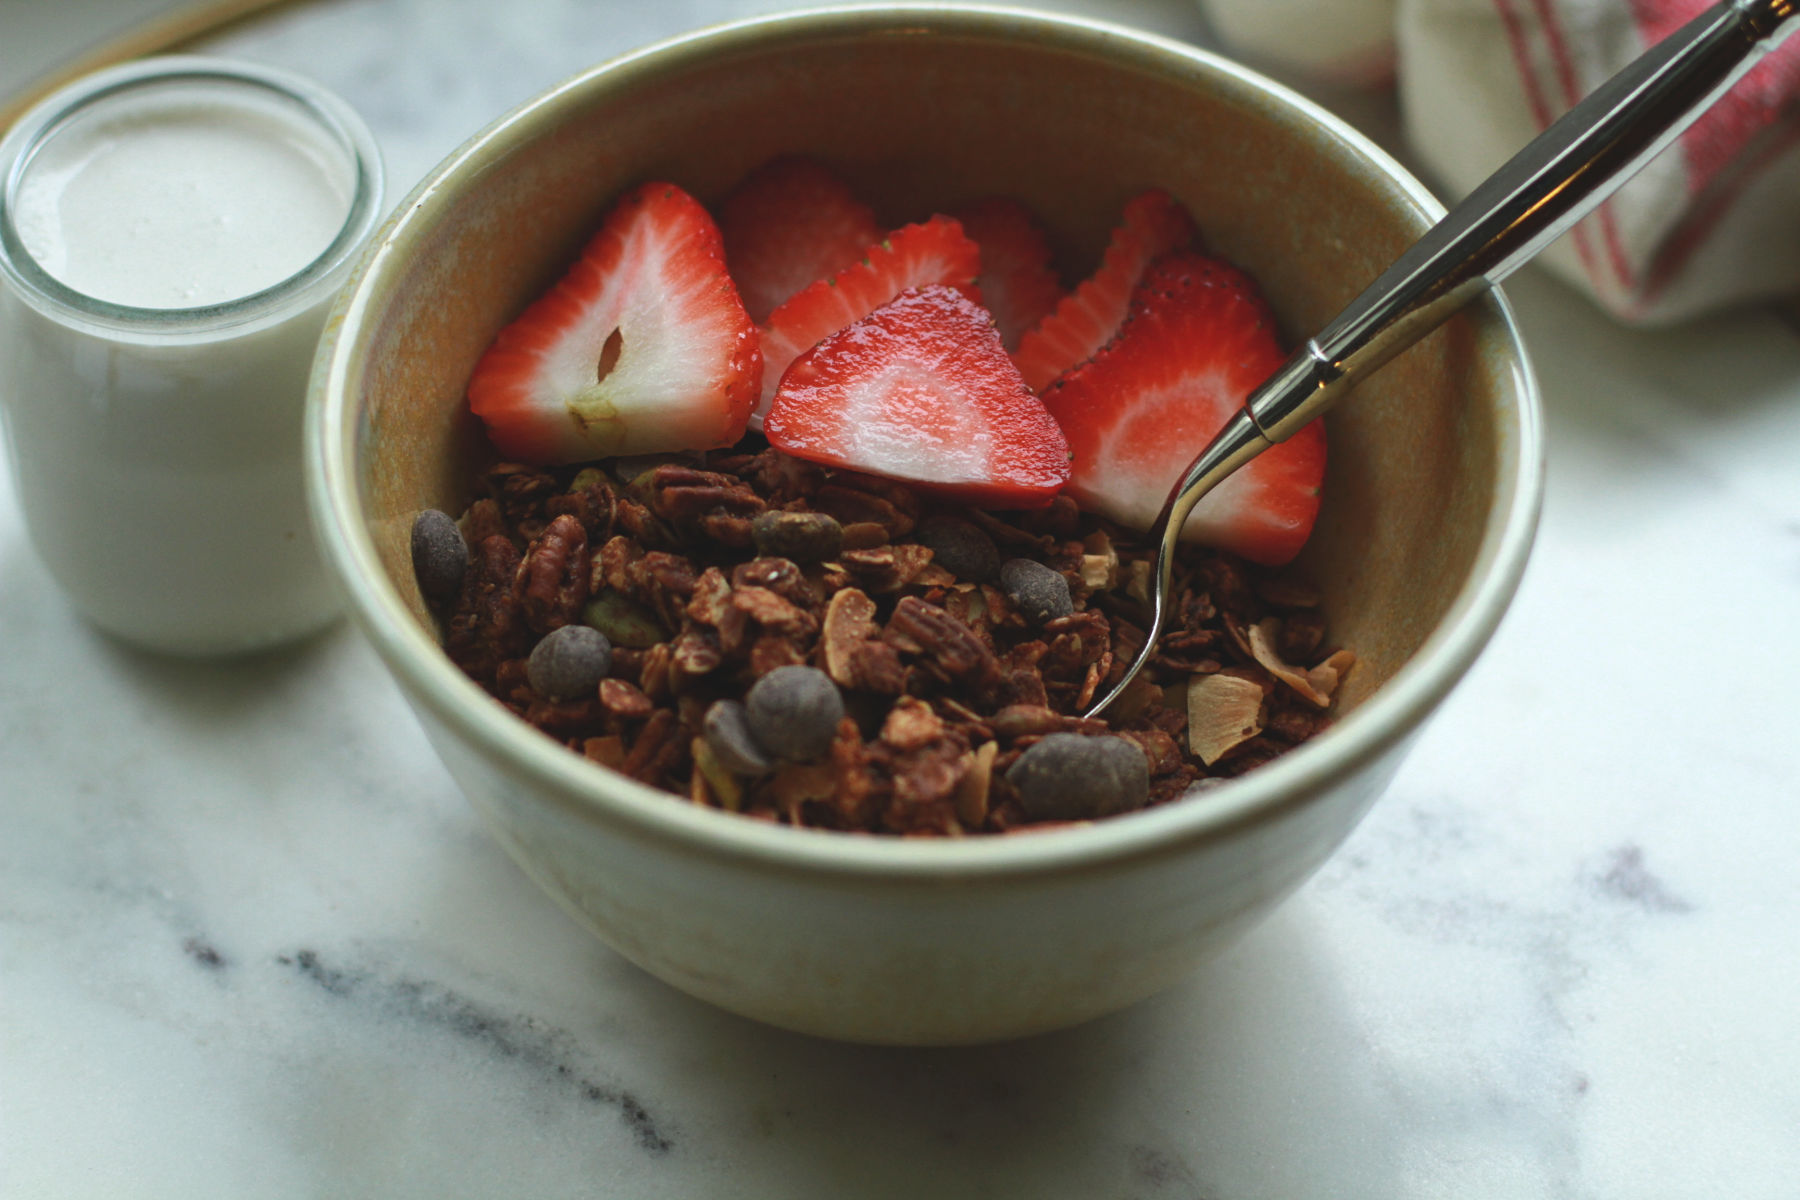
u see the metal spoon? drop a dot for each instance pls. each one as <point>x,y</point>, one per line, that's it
<point>1561,176</point>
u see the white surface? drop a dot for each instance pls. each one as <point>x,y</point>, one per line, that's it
<point>253,944</point>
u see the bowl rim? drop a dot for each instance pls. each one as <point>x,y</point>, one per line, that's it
<point>1390,715</point>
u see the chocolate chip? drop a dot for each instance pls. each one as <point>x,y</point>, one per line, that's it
<point>960,548</point>
<point>802,537</point>
<point>569,662</point>
<point>1037,591</point>
<point>726,728</point>
<point>439,554</point>
<point>1072,777</point>
<point>794,712</point>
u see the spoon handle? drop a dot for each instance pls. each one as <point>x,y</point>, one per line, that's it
<point>1559,177</point>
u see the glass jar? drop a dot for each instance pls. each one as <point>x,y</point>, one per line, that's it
<point>172,234</point>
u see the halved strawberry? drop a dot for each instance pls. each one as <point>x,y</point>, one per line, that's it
<point>921,390</point>
<point>1198,340</point>
<point>1154,222</point>
<point>642,347</point>
<point>788,223</point>
<point>1017,282</point>
<point>934,251</point>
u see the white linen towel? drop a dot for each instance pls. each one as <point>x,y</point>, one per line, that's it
<point>1713,221</point>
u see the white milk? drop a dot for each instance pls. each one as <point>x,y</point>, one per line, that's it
<point>183,199</point>
<point>169,246</point>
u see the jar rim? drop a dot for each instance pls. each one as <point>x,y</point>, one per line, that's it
<point>344,128</point>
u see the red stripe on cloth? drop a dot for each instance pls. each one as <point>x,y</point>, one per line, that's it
<point>1541,111</point>
<point>1550,15</point>
<point>1713,202</point>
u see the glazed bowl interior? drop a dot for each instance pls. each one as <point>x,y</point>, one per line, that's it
<point>1432,482</point>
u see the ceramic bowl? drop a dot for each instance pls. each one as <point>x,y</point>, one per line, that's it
<point>1430,503</point>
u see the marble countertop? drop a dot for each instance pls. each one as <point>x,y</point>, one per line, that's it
<point>253,943</point>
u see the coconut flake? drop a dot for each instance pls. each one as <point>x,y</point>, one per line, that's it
<point>1223,711</point>
<point>971,795</point>
<point>1099,562</point>
<point>1315,684</point>
<point>1137,580</point>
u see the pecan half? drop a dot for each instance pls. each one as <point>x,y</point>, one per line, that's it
<point>553,577</point>
<point>705,503</point>
<point>947,648</point>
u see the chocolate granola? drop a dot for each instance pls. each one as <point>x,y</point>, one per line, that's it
<point>707,573</point>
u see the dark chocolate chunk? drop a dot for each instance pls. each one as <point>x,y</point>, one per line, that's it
<point>960,548</point>
<point>569,662</point>
<point>794,712</point>
<point>1073,777</point>
<point>726,728</point>
<point>1037,591</point>
<point>439,555</point>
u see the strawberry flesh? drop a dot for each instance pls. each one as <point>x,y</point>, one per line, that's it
<point>921,390</point>
<point>932,252</point>
<point>789,223</point>
<point>1086,319</point>
<point>1199,338</point>
<point>642,347</point>
<point>1017,283</point>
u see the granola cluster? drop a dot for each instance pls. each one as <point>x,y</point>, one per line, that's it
<point>706,575</point>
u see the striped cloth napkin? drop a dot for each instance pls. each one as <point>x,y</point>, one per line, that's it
<point>1712,222</point>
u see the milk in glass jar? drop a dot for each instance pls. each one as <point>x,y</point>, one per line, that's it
<point>172,234</point>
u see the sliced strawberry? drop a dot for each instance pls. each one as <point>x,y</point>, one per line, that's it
<point>642,347</point>
<point>1087,317</point>
<point>1017,282</point>
<point>1198,340</point>
<point>789,223</point>
<point>935,251</point>
<point>922,390</point>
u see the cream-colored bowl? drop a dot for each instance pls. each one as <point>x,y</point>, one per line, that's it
<point>1431,498</point>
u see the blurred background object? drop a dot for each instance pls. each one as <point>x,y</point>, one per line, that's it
<point>1712,223</point>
